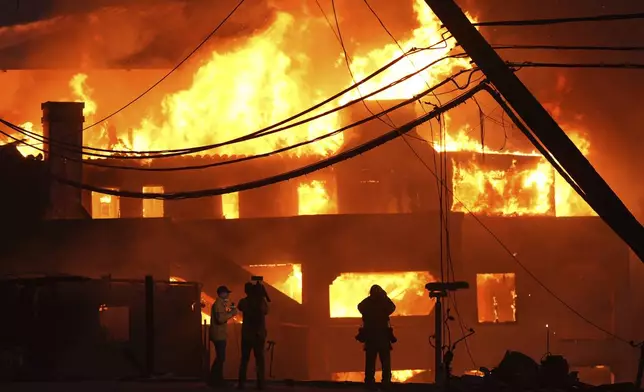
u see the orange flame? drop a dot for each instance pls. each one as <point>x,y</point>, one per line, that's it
<point>314,199</point>
<point>406,290</point>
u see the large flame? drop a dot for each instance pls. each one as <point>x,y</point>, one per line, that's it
<point>248,88</point>
<point>314,199</point>
<point>406,290</point>
<point>265,78</point>
<point>428,33</point>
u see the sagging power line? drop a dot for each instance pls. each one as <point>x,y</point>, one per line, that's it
<point>176,67</point>
<point>340,157</point>
<point>552,21</point>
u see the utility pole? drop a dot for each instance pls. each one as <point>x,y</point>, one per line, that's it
<point>598,193</point>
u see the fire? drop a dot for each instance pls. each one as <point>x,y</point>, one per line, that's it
<point>528,185</point>
<point>396,375</point>
<point>569,203</point>
<point>234,93</point>
<point>496,298</point>
<point>515,191</point>
<point>250,84</point>
<point>285,277</point>
<point>230,205</point>
<point>34,145</point>
<point>314,199</point>
<point>406,290</point>
<point>205,299</point>
<point>428,33</point>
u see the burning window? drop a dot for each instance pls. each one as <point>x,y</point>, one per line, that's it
<point>406,290</point>
<point>152,208</point>
<point>496,298</point>
<point>230,205</point>
<point>285,277</point>
<point>396,376</point>
<point>105,206</point>
<point>502,184</point>
<point>316,198</point>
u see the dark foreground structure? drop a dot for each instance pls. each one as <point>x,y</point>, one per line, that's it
<point>386,221</point>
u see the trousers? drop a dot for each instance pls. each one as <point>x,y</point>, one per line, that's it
<point>217,369</point>
<point>254,343</point>
<point>371,352</point>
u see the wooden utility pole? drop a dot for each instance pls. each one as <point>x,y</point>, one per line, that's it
<point>599,195</point>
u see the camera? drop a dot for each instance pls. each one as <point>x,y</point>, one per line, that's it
<point>257,279</point>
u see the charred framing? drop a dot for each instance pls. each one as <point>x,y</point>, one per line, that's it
<point>384,228</point>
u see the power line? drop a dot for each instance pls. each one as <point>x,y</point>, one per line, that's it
<point>256,156</point>
<point>264,132</point>
<point>543,22</point>
<point>342,156</point>
<point>570,47</point>
<point>177,152</point>
<point>567,177</point>
<point>443,215</point>
<point>531,64</point>
<point>202,43</point>
<point>523,266</point>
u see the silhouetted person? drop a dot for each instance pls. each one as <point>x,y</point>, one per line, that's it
<point>254,308</point>
<point>376,334</point>
<point>221,312</point>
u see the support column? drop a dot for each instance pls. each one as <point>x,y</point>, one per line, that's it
<point>63,126</point>
<point>315,298</point>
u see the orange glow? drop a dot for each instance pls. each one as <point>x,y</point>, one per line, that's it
<point>240,91</point>
<point>428,32</point>
<point>396,375</point>
<point>496,296</point>
<point>105,206</point>
<point>230,205</point>
<point>314,199</point>
<point>285,277</point>
<point>406,290</point>
<point>207,302</point>
<point>263,79</point>
<point>569,203</point>
<point>515,191</point>
<point>153,208</point>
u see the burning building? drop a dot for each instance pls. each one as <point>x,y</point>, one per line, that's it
<point>322,240</point>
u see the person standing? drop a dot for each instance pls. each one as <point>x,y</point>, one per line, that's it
<point>376,334</point>
<point>254,308</point>
<point>221,312</point>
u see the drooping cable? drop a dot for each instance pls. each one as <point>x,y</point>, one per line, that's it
<point>532,64</point>
<point>569,47</point>
<point>202,43</point>
<point>551,21</point>
<point>256,156</point>
<point>133,154</point>
<point>330,161</point>
<point>443,214</point>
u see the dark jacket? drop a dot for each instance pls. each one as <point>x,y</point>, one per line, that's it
<point>375,310</point>
<point>254,310</point>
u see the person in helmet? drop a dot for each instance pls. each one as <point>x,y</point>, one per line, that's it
<point>377,334</point>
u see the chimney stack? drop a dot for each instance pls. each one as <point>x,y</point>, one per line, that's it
<point>63,126</point>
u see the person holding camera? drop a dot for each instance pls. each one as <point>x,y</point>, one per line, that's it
<point>222,311</point>
<point>376,334</point>
<point>254,308</point>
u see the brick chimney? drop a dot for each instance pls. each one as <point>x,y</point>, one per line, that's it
<point>63,123</point>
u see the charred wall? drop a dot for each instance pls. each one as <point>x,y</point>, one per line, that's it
<point>578,259</point>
